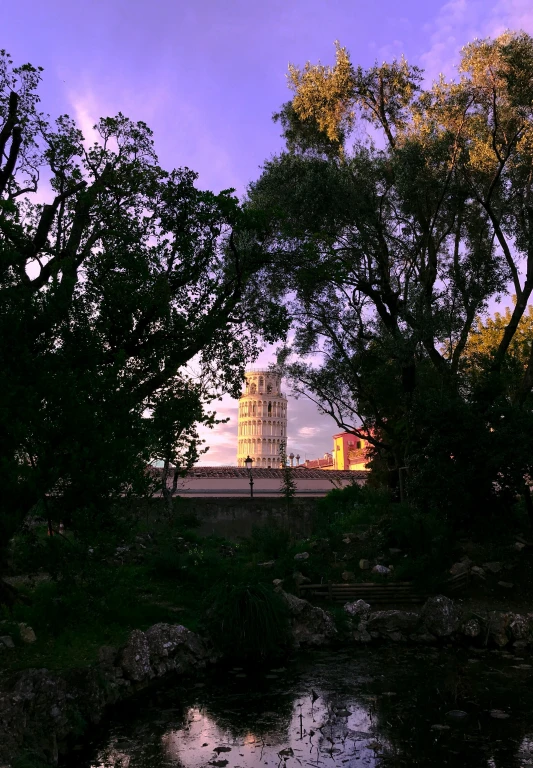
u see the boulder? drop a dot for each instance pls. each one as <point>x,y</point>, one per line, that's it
<point>362,635</point>
<point>478,572</point>
<point>506,584</point>
<point>6,641</point>
<point>521,627</point>
<point>174,647</point>
<point>358,609</point>
<point>387,622</point>
<point>348,576</point>
<point>382,569</point>
<point>422,637</point>
<point>499,627</point>
<point>458,568</point>
<point>27,635</point>
<point>300,579</point>
<point>440,616</point>
<point>471,628</point>
<point>311,626</point>
<point>364,565</point>
<point>494,567</point>
<point>302,556</point>
<point>135,658</point>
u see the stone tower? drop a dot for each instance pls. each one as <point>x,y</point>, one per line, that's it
<point>262,419</point>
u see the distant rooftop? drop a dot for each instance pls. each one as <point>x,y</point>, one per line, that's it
<point>266,472</point>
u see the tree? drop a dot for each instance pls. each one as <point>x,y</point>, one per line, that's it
<point>391,244</point>
<point>107,291</point>
<point>288,484</point>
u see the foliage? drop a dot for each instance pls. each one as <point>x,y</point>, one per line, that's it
<point>271,540</point>
<point>387,245</point>
<point>247,620</point>
<point>288,483</point>
<point>110,285</point>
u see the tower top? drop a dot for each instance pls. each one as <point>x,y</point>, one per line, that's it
<point>262,381</point>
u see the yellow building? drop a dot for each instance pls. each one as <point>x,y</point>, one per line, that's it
<point>349,452</point>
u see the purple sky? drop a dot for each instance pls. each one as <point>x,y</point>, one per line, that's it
<point>206,76</point>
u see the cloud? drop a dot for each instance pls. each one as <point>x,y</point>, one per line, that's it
<point>308,431</point>
<point>460,21</point>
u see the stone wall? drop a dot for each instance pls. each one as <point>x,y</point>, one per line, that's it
<point>233,518</point>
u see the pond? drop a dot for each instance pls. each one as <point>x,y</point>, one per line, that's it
<point>388,706</point>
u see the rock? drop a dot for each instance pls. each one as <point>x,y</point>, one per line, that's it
<point>519,546</point>
<point>477,571</point>
<point>27,635</point>
<point>471,628</point>
<point>362,635</point>
<point>358,608</point>
<point>382,569</point>
<point>394,551</point>
<point>439,727</point>
<point>302,556</point>
<point>348,576</point>
<point>42,710</point>
<point>7,642</point>
<point>346,540</point>
<point>457,714</point>
<point>499,627</point>
<point>107,656</point>
<point>506,584</point>
<point>300,579</point>
<point>267,564</point>
<point>521,627</point>
<point>422,637</point>
<point>440,616</point>
<point>397,637</point>
<point>135,661</point>
<point>277,582</point>
<point>311,625</point>
<point>458,568</point>
<point>493,567</point>
<point>498,714</point>
<point>386,622</point>
<point>364,565</point>
<point>520,645</point>
<point>174,647</point>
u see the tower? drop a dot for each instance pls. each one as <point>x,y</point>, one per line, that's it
<point>262,419</point>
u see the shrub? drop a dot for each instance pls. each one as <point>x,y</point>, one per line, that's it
<point>247,620</point>
<point>270,540</point>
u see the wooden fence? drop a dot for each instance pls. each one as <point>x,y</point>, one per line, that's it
<point>396,593</point>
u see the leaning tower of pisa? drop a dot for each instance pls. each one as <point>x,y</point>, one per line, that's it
<point>262,419</point>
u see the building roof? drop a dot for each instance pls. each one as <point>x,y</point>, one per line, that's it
<point>267,472</point>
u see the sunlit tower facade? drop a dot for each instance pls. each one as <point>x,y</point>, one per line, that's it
<point>262,419</point>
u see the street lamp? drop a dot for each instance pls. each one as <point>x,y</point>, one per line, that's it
<point>248,464</point>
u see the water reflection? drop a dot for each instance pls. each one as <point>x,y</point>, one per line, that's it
<point>385,707</point>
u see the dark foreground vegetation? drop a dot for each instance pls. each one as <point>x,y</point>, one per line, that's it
<point>80,594</point>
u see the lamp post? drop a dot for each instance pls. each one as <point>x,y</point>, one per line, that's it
<point>248,464</point>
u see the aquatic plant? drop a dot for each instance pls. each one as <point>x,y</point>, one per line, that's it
<point>247,620</point>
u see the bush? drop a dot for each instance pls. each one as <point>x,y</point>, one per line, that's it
<point>247,621</point>
<point>270,540</point>
<point>343,509</point>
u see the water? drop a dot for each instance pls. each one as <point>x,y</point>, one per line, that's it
<point>387,706</point>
